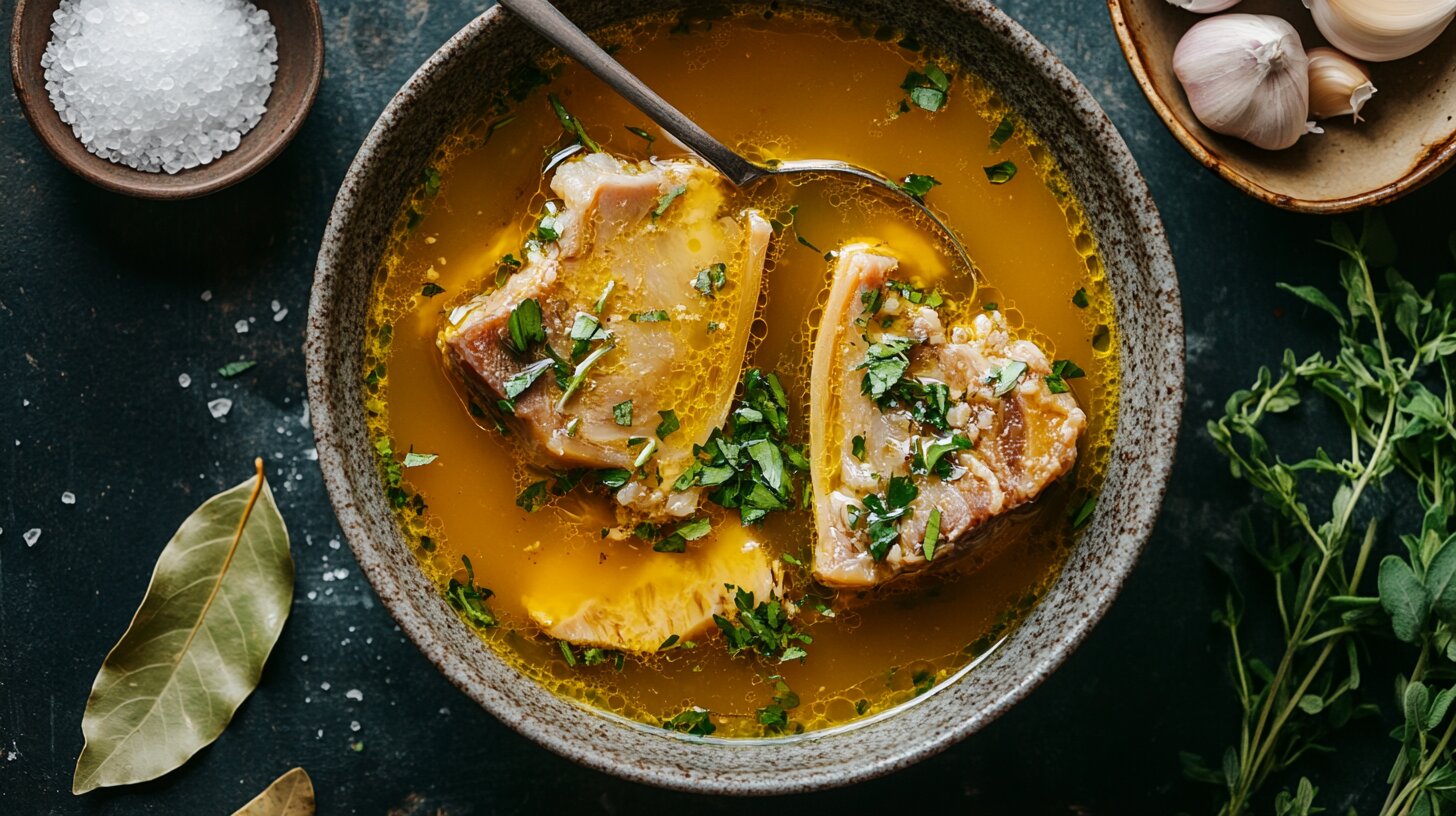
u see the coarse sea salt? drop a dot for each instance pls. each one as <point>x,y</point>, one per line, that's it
<point>160,85</point>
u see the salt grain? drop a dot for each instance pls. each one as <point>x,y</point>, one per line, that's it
<point>184,379</point>
<point>68,497</point>
<point>354,694</point>
<point>160,85</point>
<point>355,726</point>
<point>219,407</point>
<point>241,327</point>
<point>31,536</point>
<point>280,314</point>
<point>206,295</point>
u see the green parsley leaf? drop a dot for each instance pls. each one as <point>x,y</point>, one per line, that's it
<point>932,534</point>
<point>532,497</point>
<point>1001,173</point>
<point>578,375</point>
<point>639,132</point>
<point>429,290</point>
<point>523,379</point>
<point>1080,514</point>
<point>690,531</point>
<point>665,200</point>
<point>614,478</point>
<point>857,447</point>
<point>763,627</point>
<point>1063,370</point>
<point>927,88</point>
<point>470,600</point>
<point>710,279</point>
<point>622,413</point>
<point>1079,298</point>
<point>696,721</point>
<point>413,459</point>
<point>1006,377</point>
<point>525,326</point>
<point>1003,131</point>
<point>916,186</point>
<point>668,424</point>
<point>572,125</point>
<point>991,307</point>
<point>235,368</point>
<point>431,181</point>
<point>654,316</point>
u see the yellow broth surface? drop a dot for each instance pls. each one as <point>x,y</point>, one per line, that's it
<point>776,86</point>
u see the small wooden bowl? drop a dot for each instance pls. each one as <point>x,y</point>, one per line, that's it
<point>1407,139</point>
<point>300,68</point>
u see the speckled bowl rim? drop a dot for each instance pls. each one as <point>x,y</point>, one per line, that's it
<point>1434,161</point>
<point>1126,544</point>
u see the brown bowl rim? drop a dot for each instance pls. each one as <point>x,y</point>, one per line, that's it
<point>1430,166</point>
<point>105,174</point>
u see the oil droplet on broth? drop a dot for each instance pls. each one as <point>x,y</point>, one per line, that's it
<point>1033,251</point>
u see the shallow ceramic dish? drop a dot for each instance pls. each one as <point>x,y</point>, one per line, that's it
<point>1140,271</point>
<point>1407,139</point>
<point>300,69</point>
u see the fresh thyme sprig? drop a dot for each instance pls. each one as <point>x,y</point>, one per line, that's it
<point>1393,349</point>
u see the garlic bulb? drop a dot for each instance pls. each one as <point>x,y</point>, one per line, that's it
<point>1338,85</point>
<point>1246,75</point>
<point>1381,30</point>
<point>1205,6</point>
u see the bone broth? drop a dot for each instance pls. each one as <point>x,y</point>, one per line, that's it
<point>742,462</point>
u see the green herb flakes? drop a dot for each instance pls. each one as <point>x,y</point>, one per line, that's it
<point>1005,378</point>
<point>654,316</point>
<point>668,424</point>
<point>763,627</point>
<point>1079,298</point>
<point>927,87</point>
<point>572,125</point>
<point>235,368</point>
<point>1063,370</point>
<point>1003,132</point>
<point>431,289</point>
<point>857,447</point>
<point>525,326</point>
<point>665,200</point>
<point>413,459</point>
<point>932,534</point>
<point>695,721</point>
<point>710,279</point>
<point>641,133</point>
<point>533,497</point>
<point>689,531</point>
<point>622,413</point>
<point>470,600</point>
<point>916,186</point>
<point>1001,173</point>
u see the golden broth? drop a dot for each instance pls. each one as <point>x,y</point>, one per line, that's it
<point>775,85</point>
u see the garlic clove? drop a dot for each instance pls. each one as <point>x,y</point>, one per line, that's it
<point>1246,75</point>
<point>1205,6</point>
<point>1338,84</point>
<point>1381,30</point>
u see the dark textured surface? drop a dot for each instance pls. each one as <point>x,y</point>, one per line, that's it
<point>101,309</point>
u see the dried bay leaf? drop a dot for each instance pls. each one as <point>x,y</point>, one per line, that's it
<point>290,795</point>
<point>216,604</point>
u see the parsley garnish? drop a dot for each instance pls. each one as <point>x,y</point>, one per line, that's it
<point>710,279</point>
<point>927,88</point>
<point>666,199</point>
<point>429,290</point>
<point>1003,131</point>
<point>1006,377</point>
<point>505,267</point>
<point>523,379</point>
<point>639,132</point>
<point>1063,370</point>
<point>1001,173</point>
<point>930,457</point>
<point>857,447</point>
<point>775,717</point>
<point>932,534</point>
<point>696,721</point>
<point>413,459</point>
<point>882,513</point>
<point>525,326</point>
<point>916,186</point>
<point>532,497</point>
<point>622,413</point>
<point>602,298</point>
<point>584,330</point>
<point>1079,298</point>
<point>572,125</point>
<point>432,181</point>
<point>1080,514</point>
<point>654,316</point>
<point>578,375</point>
<point>885,363</point>
<point>678,541</point>
<point>235,368</point>
<point>471,599</point>
<point>764,628</point>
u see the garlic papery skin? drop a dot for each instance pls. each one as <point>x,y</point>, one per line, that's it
<point>1381,30</point>
<point>1246,75</point>
<point>1205,6</point>
<point>1338,84</point>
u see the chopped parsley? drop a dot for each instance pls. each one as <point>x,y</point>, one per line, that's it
<point>602,298</point>
<point>532,497</point>
<point>523,379</point>
<point>885,363</point>
<point>857,447</point>
<point>1001,173</point>
<point>665,200</point>
<point>546,231</point>
<point>991,307</point>
<point>695,721</point>
<point>470,599</point>
<point>1081,513</point>
<point>622,413</point>
<point>431,289</point>
<point>1079,298</point>
<point>668,424</point>
<point>641,133</point>
<point>930,457</point>
<point>413,459</point>
<point>1003,131</point>
<point>927,87</point>
<point>235,368</point>
<point>525,326</point>
<point>572,125</point>
<point>578,375</point>
<point>431,178</point>
<point>645,454</point>
<point>775,717</point>
<point>882,513</point>
<point>689,531</point>
<point>932,534</point>
<point>506,267</point>
<point>654,316</point>
<point>710,279</point>
<point>749,463</point>
<point>584,329</point>
<point>916,186</point>
<point>1006,377</point>
<point>1063,370</point>
<point>764,628</point>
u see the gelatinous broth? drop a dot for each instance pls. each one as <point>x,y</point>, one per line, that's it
<point>775,85</point>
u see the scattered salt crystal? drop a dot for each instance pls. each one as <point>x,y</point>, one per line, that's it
<point>313,595</point>
<point>68,497</point>
<point>241,327</point>
<point>304,658</point>
<point>219,407</point>
<point>25,403</point>
<point>31,536</point>
<point>311,454</point>
<point>355,726</point>
<point>160,85</point>
<point>320,733</point>
<point>444,712</point>
<point>280,314</point>
<point>354,694</point>
<point>206,295</point>
<point>184,379</point>
<point>325,685</point>
<point>274,306</point>
<point>333,543</point>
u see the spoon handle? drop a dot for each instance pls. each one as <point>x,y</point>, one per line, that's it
<point>562,33</point>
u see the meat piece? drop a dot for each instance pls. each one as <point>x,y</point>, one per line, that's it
<point>682,282</point>
<point>994,452</point>
<point>663,596</point>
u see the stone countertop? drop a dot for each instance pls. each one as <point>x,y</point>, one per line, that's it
<point>105,302</point>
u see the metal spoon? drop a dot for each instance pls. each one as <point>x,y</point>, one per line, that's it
<point>564,34</point>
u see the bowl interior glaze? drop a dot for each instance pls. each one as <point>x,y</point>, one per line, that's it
<point>1407,139</point>
<point>1140,271</point>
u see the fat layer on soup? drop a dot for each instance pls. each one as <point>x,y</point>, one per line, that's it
<point>742,462</point>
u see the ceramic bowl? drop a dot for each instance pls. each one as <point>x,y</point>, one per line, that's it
<point>1139,268</point>
<point>300,69</point>
<point>1407,139</point>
